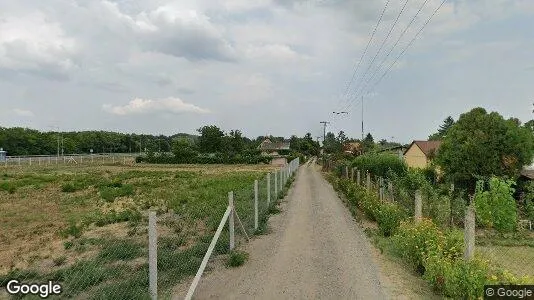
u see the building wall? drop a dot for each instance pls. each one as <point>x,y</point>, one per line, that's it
<point>415,158</point>
<point>279,161</point>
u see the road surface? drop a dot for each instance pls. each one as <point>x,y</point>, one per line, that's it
<point>315,251</point>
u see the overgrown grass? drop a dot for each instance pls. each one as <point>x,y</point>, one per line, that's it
<point>100,266</point>
<point>236,258</point>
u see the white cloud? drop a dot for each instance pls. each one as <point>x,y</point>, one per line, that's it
<point>31,42</point>
<point>142,106</point>
<point>23,113</point>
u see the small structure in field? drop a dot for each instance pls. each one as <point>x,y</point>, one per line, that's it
<point>3,154</point>
<point>353,148</point>
<point>420,153</point>
<point>273,149</point>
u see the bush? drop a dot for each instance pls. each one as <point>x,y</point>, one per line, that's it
<point>414,241</point>
<point>236,258</point>
<point>389,216</point>
<point>496,207</point>
<point>381,164</point>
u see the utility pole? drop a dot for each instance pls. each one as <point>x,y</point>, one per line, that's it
<point>324,130</point>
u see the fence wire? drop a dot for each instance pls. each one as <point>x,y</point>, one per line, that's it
<point>511,254</point>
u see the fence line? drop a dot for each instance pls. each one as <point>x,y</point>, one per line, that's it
<point>230,216</point>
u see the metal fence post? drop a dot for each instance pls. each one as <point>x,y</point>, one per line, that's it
<point>268,189</point>
<point>469,237</point>
<point>256,204</point>
<point>231,220</point>
<point>153,255</point>
<point>418,206</point>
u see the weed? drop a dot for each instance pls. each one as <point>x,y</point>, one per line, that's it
<point>68,245</point>
<point>58,261</point>
<point>236,258</point>
<point>120,250</point>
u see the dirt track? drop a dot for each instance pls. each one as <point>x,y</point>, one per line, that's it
<point>315,251</point>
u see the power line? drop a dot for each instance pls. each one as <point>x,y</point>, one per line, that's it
<point>382,45</point>
<point>395,45</point>
<point>406,48</point>
<point>411,42</point>
<point>365,51</point>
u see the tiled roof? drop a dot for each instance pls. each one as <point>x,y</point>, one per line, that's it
<point>427,146</point>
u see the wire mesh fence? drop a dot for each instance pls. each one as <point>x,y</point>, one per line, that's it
<point>113,261</point>
<point>67,160</point>
<point>509,256</point>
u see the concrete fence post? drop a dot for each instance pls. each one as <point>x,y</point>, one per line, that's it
<point>346,172</point>
<point>268,189</point>
<point>256,204</point>
<point>152,255</point>
<point>352,175</point>
<point>358,177</point>
<point>418,206</point>
<point>30,161</point>
<point>39,161</point>
<point>390,190</point>
<point>368,181</point>
<point>275,185</point>
<point>381,188</point>
<point>81,159</point>
<point>469,236</point>
<point>231,220</point>
<point>19,161</point>
<point>281,180</point>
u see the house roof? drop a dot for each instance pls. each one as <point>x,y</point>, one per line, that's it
<point>268,145</point>
<point>426,146</point>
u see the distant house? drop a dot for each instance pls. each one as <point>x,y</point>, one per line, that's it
<point>353,148</point>
<point>420,153</point>
<point>270,148</point>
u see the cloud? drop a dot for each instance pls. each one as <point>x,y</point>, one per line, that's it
<point>142,106</point>
<point>32,44</point>
<point>23,113</point>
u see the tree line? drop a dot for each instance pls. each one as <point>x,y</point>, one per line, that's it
<point>210,139</point>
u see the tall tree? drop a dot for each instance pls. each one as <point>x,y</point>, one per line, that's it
<point>211,139</point>
<point>481,145</point>
<point>443,129</point>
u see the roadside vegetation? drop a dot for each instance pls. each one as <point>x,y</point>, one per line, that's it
<point>479,162</point>
<point>86,227</point>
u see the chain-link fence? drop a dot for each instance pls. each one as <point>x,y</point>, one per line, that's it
<point>67,160</point>
<point>508,255</point>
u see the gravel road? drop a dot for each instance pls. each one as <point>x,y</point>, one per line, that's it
<point>315,251</point>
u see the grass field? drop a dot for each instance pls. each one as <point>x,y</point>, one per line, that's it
<point>87,226</point>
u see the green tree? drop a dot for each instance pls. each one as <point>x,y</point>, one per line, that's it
<point>183,150</point>
<point>331,143</point>
<point>368,143</point>
<point>443,129</point>
<point>211,139</point>
<point>482,145</point>
<point>496,207</point>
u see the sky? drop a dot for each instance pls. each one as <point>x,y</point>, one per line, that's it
<point>265,67</point>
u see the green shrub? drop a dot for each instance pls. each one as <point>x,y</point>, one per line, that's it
<point>8,187</point>
<point>496,207</point>
<point>114,190</point>
<point>236,258</point>
<point>389,216</point>
<point>380,164</point>
<point>414,241</point>
<point>458,279</point>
